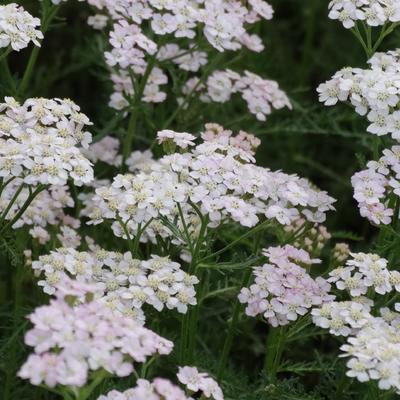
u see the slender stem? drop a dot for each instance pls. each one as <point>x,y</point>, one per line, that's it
<point>6,53</point>
<point>135,111</point>
<point>250,232</point>
<point>11,203</point>
<point>4,185</point>
<point>21,211</point>
<point>190,322</point>
<point>232,327</point>
<point>358,35</point>
<point>274,349</point>
<point>11,368</point>
<point>48,15</point>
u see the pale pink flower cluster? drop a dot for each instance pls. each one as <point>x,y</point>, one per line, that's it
<point>196,381</point>
<point>364,271</point>
<point>283,290</point>
<point>374,351</point>
<point>70,343</point>
<point>261,95</point>
<point>374,92</point>
<point>343,318</point>
<point>123,283</point>
<point>372,12</point>
<point>135,54</point>
<point>375,185</point>
<point>219,178</point>
<point>105,150</point>
<point>222,24</point>
<point>158,389</point>
<point>39,142</point>
<point>18,28</point>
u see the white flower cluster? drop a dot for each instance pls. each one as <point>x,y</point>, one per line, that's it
<point>372,12</point>
<point>196,381</point>
<point>362,274</point>
<point>283,289</point>
<point>374,186</point>
<point>71,342</point>
<point>123,283</point>
<point>261,95</point>
<point>374,351</point>
<point>343,318</point>
<point>18,28</point>
<point>39,142</point>
<point>216,176</point>
<point>364,271</point>
<point>373,92</point>
<point>158,389</point>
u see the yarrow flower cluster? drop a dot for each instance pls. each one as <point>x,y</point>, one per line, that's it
<point>137,58</point>
<point>222,24</point>
<point>373,92</point>
<point>374,351</point>
<point>18,28</point>
<point>374,186</point>
<point>196,381</point>
<point>343,318</point>
<point>361,273</point>
<point>72,342</point>
<point>158,389</point>
<point>121,282</point>
<point>372,12</point>
<point>216,176</point>
<point>364,271</point>
<point>261,95</point>
<point>283,290</point>
<point>39,142</point>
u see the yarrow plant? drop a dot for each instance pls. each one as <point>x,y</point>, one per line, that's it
<point>160,256</point>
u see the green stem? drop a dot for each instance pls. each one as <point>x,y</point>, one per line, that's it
<point>19,214</point>
<point>231,330</point>
<point>5,54</point>
<point>190,322</point>
<point>10,204</point>
<point>11,366</point>
<point>48,14</point>
<point>274,350</point>
<point>127,148</point>
<point>250,232</point>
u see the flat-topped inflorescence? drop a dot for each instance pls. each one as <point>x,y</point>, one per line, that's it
<point>217,178</point>
<point>40,142</point>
